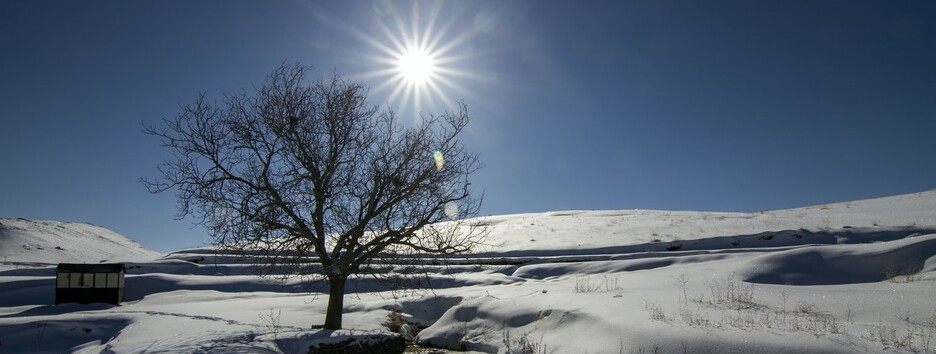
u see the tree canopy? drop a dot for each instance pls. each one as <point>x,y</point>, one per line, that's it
<point>304,172</point>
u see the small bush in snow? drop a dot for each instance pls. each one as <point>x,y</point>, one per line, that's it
<point>916,336</point>
<point>606,284</point>
<point>394,321</point>
<point>694,318</point>
<point>655,310</point>
<point>807,308</point>
<point>731,292</point>
<point>908,273</point>
<point>272,322</point>
<point>523,345</point>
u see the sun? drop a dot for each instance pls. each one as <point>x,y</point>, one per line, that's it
<point>416,66</point>
<point>420,59</point>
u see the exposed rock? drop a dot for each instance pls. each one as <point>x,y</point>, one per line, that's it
<point>373,344</point>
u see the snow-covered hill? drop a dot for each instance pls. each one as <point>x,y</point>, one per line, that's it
<point>52,242</point>
<point>594,230</point>
<point>855,277</point>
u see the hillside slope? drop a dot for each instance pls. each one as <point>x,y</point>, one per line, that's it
<point>593,230</point>
<point>52,242</point>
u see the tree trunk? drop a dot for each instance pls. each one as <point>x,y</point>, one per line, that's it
<point>336,290</point>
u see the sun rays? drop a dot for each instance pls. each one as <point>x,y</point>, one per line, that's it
<point>420,62</point>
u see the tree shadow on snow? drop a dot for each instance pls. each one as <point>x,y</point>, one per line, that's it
<point>141,286</point>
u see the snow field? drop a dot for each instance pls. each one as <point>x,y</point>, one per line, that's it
<point>839,278</point>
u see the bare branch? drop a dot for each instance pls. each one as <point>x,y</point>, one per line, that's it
<point>302,172</point>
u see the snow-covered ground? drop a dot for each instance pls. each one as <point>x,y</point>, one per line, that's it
<point>53,242</point>
<point>838,278</point>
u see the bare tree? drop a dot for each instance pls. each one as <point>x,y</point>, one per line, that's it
<point>306,172</point>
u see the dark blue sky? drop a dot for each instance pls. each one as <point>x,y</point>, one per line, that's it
<point>715,105</point>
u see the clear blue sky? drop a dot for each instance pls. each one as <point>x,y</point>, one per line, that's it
<point>679,105</point>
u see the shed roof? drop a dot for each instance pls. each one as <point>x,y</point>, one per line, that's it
<point>91,268</point>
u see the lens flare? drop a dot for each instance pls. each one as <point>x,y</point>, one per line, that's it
<point>439,159</point>
<point>451,210</point>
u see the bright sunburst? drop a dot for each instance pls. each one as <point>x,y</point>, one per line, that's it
<point>422,67</point>
<point>416,66</point>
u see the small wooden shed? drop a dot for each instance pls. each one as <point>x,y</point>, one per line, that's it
<point>89,283</point>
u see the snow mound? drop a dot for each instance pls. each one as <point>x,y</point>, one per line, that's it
<point>846,264</point>
<point>53,242</point>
